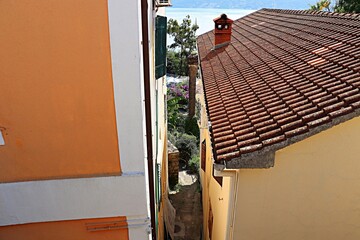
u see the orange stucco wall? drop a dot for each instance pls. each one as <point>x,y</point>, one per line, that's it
<point>56,99</point>
<point>68,230</point>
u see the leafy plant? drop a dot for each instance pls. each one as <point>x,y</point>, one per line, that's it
<point>194,164</point>
<point>174,117</point>
<point>198,110</point>
<point>184,37</point>
<point>187,146</point>
<point>343,6</point>
<point>351,6</point>
<point>192,128</point>
<point>173,62</point>
<point>321,6</point>
<point>179,90</point>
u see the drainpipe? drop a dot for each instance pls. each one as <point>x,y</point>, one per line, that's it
<point>220,171</point>
<point>146,64</point>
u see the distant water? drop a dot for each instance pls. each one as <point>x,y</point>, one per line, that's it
<point>204,16</point>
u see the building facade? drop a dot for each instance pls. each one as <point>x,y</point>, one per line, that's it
<point>83,133</point>
<point>280,126</point>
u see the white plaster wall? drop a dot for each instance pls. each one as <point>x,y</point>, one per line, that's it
<point>127,69</point>
<point>161,11</point>
<point>138,227</point>
<point>126,50</point>
<point>139,233</point>
<point>69,199</point>
<point>153,81</point>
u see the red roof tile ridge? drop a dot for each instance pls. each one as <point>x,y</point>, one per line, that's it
<point>312,12</point>
<point>281,79</point>
<point>323,57</point>
<point>281,24</point>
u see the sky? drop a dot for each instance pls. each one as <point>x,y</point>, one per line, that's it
<point>204,17</point>
<point>243,4</point>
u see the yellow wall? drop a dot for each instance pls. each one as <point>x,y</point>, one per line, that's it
<point>67,230</point>
<point>212,192</point>
<point>164,188</point>
<point>56,101</point>
<point>313,192</point>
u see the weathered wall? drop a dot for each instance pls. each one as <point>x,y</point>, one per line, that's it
<point>164,192</point>
<point>69,230</point>
<point>311,193</point>
<point>173,158</point>
<point>158,97</point>
<point>212,193</point>
<point>56,101</point>
<point>162,153</point>
<point>74,87</point>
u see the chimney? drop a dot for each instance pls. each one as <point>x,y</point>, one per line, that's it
<point>222,31</point>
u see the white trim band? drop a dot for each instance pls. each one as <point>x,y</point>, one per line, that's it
<point>71,199</point>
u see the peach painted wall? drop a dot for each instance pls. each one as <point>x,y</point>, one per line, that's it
<point>56,100</point>
<point>213,194</point>
<point>312,192</point>
<point>68,230</point>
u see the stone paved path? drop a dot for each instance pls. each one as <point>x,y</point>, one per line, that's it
<point>187,203</point>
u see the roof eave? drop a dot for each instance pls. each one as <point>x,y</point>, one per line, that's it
<point>265,157</point>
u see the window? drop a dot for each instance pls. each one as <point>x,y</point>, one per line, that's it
<point>2,141</point>
<point>203,155</point>
<point>160,46</point>
<point>163,3</point>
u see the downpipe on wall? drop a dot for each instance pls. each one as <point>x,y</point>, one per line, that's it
<point>146,68</point>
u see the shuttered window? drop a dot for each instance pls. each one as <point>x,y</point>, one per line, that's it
<point>203,155</point>
<point>160,46</point>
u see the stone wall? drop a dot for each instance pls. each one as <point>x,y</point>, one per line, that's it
<point>173,164</point>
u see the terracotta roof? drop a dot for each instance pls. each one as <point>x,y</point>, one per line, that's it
<point>285,75</point>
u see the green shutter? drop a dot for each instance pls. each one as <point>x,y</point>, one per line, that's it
<point>160,46</point>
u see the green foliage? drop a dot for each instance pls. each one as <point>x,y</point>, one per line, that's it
<point>350,6</point>
<point>198,109</point>
<point>183,132</point>
<point>322,5</point>
<point>173,184</point>
<point>178,99</point>
<point>177,188</point>
<point>175,119</point>
<point>192,128</point>
<point>194,164</point>
<point>187,146</point>
<point>342,6</point>
<point>173,62</point>
<point>184,37</point>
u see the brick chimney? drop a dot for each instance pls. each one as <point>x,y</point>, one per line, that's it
<point>222,31</point>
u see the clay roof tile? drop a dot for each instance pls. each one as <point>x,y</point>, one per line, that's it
<point>284,73</point>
